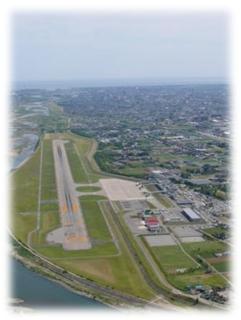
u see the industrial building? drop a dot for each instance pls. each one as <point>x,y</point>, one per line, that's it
<point>184,202</point>
<point>191,215</point>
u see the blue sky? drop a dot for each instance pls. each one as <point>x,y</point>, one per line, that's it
<point>57,46</point>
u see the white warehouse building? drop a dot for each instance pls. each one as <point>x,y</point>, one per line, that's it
<point>191,215</point>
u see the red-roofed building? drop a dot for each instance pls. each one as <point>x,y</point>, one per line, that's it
<point>152,223</point>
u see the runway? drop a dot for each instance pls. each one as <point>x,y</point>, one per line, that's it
<point>73,235</point>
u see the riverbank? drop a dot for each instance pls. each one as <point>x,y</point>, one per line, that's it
<point>33,290</point>
<point>81,286</point>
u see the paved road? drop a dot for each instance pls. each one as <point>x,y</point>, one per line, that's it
<point>73,235</point>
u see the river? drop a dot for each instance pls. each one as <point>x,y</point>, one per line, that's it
<point>38,292</point>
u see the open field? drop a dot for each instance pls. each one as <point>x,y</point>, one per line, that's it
<point>206,249</point>
<point>94,218</point>
<point>218,232</point>
<point>48,187</point>
<point>211,280</point>
<point>78,172</point>
<point>85,148</point>
<point>171,258</point>
<point>222,266</point>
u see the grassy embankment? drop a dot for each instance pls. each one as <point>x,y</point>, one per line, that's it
<point>24,193</point>
<point>88,189</point>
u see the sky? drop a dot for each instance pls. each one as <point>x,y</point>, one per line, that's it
<point>85,46</point>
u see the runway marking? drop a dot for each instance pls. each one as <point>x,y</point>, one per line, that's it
<point>64,208</point>
<point>75,208</point>
<point>74,229</point>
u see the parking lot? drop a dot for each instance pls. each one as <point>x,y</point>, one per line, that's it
<point>191,239</point>
<point>185,231</point>
<point>160,240</point>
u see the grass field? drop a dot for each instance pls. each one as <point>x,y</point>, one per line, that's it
<point>88,189</point>
<point>78,173</point>
<point>223,266</point>
<point>217,231</point>
<point>171,258</point>
<point>49,218</point>
<point>211,280</point>
<point>137,172</point>
<point>163,200</point>
<point>48,189</point>
<point>84,148</point>
<point>117,272</point>
<point>94,220</point>
<point>206,249</point>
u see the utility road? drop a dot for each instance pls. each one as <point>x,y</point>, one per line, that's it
<point>73,235</point>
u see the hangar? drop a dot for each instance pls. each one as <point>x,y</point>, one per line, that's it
<point>190,215</point>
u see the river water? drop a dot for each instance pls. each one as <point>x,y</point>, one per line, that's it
<point>37,292</point>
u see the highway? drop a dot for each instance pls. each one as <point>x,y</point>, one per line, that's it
<point>73,235</point>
